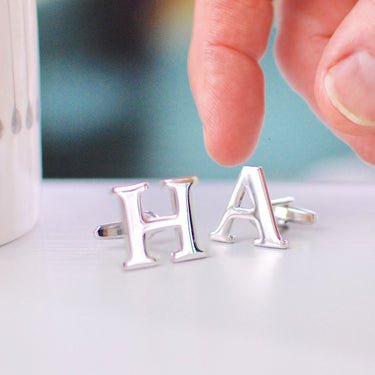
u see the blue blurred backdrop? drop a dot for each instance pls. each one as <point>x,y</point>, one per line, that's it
<point>116,99</point>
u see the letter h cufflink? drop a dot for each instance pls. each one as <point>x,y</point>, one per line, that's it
<point>137,224</point>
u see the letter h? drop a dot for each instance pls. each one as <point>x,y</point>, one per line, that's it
<point>137,224</point>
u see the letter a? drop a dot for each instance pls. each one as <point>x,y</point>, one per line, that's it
<point>251,181</point>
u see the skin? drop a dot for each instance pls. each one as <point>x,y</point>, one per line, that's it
<point>230,37</point>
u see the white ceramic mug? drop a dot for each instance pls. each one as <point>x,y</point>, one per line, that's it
<point>20,149</point>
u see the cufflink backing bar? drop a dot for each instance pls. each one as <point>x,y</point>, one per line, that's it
<point>285,214</point>
<point>115,231</point>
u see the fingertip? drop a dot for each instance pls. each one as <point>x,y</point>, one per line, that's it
<point>228,153</point>
<point>232,106</point>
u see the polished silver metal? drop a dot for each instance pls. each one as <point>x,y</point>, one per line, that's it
<point>114,230</point>
<point>252,182</point>
<point>267,215</point>
<point>283,213</point>
<point>137,224</point>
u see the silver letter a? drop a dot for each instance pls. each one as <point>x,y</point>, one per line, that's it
<point>251,181</point>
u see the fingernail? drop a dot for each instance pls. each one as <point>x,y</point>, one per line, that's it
<point>350,85</point>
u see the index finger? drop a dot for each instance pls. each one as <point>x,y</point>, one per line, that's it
<point>229,38</point>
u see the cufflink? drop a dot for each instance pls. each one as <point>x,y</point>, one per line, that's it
<point>265,214</point>
<point>138,224</point>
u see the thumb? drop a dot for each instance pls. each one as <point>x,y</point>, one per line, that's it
<point>345,80</point>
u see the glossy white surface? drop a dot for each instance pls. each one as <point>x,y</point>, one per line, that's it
<point>67,307</point>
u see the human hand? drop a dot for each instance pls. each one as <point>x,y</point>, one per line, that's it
<point>324,48</point>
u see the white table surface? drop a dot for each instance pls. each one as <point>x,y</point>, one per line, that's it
<point>67,307</point>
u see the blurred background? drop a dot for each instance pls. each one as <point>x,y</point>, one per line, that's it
<point>116,100</point>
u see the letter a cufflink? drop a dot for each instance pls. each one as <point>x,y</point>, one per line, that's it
<point>137,223</point>
<point>266,215</point>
